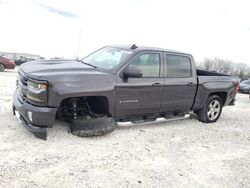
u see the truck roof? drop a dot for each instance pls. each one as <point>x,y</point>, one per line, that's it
<point>146,48</point>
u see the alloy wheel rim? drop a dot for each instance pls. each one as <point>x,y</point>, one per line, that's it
<point>1,67</point>
<point>213,110</point>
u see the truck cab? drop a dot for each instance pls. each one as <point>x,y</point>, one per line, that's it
<point>165,82</point>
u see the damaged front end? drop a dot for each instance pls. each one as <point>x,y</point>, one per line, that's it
<point>40,132</point>
<point>29,104</point>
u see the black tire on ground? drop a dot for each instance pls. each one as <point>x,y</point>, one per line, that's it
<point>1,67</point>
<point>92,127</point>
<point>211,112</point>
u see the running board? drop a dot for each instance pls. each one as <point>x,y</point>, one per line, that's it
<point>158,120</point>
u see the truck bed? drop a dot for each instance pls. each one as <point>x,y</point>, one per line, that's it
<point>221,84</point>
<point>201,72</point>
<point>204,76</point>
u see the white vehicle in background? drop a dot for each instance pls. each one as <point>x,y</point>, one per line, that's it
<point>245,86</point>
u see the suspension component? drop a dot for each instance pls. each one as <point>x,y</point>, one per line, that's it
<point>76,108</point>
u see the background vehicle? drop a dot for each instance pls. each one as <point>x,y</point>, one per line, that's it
<point>23,60</point>
<point>6,63</point>
<point>118,85</point>
<point>245,86</point>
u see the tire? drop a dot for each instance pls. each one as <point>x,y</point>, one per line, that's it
<point>1,67</point>
<point>92,127</point>
<point>211,112</point>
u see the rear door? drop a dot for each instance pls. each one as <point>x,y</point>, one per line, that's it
<point>136,96</point>
<point>180,83</point>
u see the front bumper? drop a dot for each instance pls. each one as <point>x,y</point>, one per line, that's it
<point>39,118</point>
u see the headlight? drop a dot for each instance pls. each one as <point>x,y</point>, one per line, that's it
<point>37,91</point>
<point>38,86</point>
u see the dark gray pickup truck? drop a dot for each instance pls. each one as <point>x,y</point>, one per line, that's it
<point>118,85</point>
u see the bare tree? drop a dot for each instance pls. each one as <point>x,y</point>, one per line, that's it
<point>226,67</point>
<point>242,70</point>
<point>207,64</point>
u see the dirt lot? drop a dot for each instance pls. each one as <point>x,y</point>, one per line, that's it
<point>183,153</point>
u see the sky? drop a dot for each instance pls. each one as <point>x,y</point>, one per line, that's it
<point>63,28</point>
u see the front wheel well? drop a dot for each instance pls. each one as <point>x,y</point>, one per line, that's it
<point>222,95</point>
<point>99,104</point>
<point>83,107</point>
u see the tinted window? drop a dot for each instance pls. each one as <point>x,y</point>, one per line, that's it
<point>149,64</point>
<point>178,66</point>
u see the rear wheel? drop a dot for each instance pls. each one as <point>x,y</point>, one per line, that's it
<point>2,67</point>
<point>211,111</point>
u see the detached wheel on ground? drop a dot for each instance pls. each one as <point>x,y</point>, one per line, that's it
<point>92,127</point>
<point>2,67</point>
<point>211,111</point>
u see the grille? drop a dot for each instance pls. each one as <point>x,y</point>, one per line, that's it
<point>23,80</point>
<point>22,86</point>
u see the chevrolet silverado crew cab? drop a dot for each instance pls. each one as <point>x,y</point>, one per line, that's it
<point>118,85</point>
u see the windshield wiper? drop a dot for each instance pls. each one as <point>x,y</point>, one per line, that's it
<point>87,63</point>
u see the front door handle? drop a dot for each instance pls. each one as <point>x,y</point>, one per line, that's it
<point>190,84</point>
<point>156,84</point>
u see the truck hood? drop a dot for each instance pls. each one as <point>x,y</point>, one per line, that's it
<point>65,71</point>
<point>42,69</point>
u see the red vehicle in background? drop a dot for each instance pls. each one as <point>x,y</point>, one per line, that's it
<point>6,63</point>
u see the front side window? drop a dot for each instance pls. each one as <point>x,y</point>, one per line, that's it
<point>178,67</point>
<point>148,63</point>
<point>107,58</point>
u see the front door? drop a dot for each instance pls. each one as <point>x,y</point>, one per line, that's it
<point>143,95</point>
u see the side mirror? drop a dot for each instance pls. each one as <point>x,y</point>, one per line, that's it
<point>132,72</point>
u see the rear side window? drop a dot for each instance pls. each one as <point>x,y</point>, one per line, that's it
<point>178,67</point>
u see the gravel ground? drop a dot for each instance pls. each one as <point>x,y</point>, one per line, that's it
<point>184,153</point>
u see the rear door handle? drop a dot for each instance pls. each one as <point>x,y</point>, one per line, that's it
<point>156,84</point>
<point>190,84</point>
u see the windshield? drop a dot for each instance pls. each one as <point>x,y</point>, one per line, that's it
<point>107,58</point>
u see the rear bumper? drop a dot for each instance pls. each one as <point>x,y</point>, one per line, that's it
<point>35,119</point>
